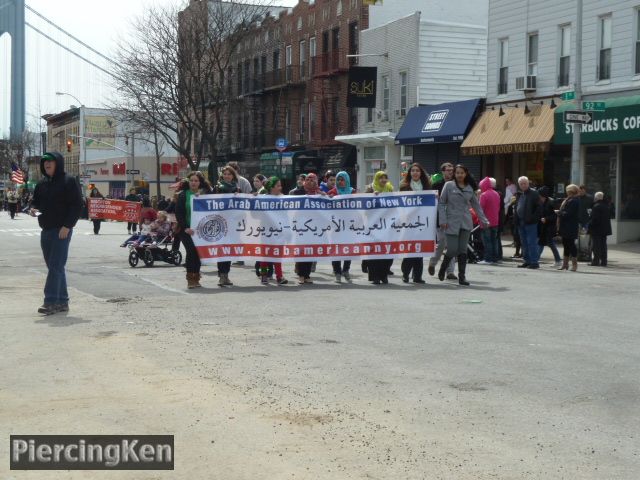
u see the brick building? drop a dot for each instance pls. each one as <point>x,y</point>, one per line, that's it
<point>289,79</point>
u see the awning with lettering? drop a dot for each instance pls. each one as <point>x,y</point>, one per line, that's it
<point>512,132</point>
<point>619,122</point>
<point>443,123</point>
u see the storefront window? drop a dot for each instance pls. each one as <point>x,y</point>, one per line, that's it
<point>629,186</point>
<point>600,171</point>
<point>373,160</point>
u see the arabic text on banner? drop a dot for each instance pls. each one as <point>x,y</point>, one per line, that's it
<point>119,210</point>
<point>314,228</point>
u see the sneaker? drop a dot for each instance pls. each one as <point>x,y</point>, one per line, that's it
<point>431,270</point>
<point>308,280</point>
<point>301,280</point>
<point>45,308</point>
<point>418,280</point>
<point>282,281</point>
<point>264,280</point>
<point>558,263</point>
<point>484,262</point>
<point>405,279</point>
<point>338,278</point>
<point>523,265</point>
<point>62,307</point>
<point>533,266</point>
<point>452,276</point>
<point>347,276</point>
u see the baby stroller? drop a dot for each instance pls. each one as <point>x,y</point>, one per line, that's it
<point>475,247</point>
<point>150,252</point>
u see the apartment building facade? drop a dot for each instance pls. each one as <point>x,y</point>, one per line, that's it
<point>419,62</point>
<point>531,64</point>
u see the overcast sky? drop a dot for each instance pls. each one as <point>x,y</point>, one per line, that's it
<point>51,69</point>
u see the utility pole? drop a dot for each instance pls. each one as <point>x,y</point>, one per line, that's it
<point>577,128</point>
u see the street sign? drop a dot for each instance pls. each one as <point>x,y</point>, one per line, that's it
<point>133,172</point>
<point>568,96</point>
<point>576,116</point>
<point>282,144</point>
<point>593,106</point>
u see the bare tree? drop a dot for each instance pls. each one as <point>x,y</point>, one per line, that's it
<point>175,72</point>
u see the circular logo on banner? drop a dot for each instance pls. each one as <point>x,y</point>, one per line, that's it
<point>212,228</point>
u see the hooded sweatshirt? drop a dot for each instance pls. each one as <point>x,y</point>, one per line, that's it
<point>490,202</point>
<point>58,198</point>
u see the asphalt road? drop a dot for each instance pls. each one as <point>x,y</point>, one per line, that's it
<point>523,375</point>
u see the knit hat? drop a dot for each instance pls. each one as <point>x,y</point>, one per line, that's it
<point>269,184</point>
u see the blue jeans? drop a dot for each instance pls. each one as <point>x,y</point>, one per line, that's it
<point>529,240</point>
<point>55,253</point>
<point>490,242</point>
<point>554,250</point>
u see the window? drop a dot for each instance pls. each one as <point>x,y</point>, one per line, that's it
<point>374,161</point>
<point>532,54</point>
<point>637,35</point>
<point>288,61</point>
<point>604,66</point>
<point>302,121</point>
<point>299,23</point>
<point>303,58</point>
<point>312,121</point>
<point>339,8</point>
<point>287,122</point>
<point>276,60</point>
<point>403,94</point>
<point>406,152</point>
<point>503,66</point>
<point>369,115</point>
<point>385,97</point>
<point>565,56</point>
<point>312,54</point>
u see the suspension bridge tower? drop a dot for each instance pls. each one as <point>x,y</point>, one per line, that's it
<point>12,22</point>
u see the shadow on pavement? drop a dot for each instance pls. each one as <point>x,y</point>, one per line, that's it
<point>61,320</point>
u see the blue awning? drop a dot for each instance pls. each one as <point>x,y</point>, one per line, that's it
<point>444,123</point>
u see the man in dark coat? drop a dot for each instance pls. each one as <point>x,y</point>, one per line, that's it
<point>57,203</point>
<point>600,229</point>
<point>528,212</point>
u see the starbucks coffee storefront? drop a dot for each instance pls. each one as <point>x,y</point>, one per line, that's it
<point>611,159</point>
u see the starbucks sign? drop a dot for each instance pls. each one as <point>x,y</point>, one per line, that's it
<point>619,122</point>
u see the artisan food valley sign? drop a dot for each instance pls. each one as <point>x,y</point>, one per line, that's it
<point>505,149</point>
<point>615,124</point>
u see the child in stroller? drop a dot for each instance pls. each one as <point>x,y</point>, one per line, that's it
<point>153,242</point>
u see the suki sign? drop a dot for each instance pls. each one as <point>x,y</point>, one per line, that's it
<point>615,124</point>
<point>435,121</point>
<point>314,228</point>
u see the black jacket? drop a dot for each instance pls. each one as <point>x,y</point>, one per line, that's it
<point>532,208</point>
<point>548,228</point>
<point>568,219</point>
<point>600,223</point>
<point>58,198</point>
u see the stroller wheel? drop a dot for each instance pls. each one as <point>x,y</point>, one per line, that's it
<point>133,258</point>
<point>176,258</point>
<point>148,258</point>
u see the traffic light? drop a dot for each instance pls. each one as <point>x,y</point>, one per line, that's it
<point>69,145</point>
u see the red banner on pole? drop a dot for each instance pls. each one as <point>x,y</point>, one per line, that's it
<point>119,210</point>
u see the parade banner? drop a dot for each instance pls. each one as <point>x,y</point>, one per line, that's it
<point>119,210</point>
<point>314,228</point>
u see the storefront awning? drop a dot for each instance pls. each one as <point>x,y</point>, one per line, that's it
<point>512,132</point>
<point>376,138</point>
<point>444,123</point>
<point>619,122</point>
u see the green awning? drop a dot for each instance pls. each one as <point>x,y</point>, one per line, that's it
<point>620,122</point>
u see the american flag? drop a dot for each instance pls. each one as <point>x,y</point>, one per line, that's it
<point>17,176</point>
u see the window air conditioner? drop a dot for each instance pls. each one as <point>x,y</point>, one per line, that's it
<point>527,83</point>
